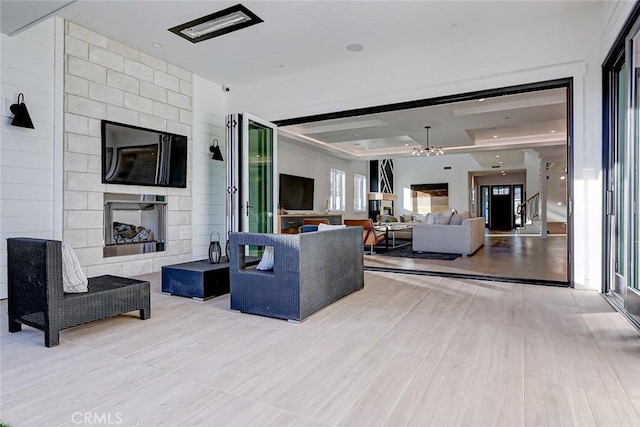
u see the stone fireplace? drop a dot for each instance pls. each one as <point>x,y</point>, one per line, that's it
<point>134,224</point>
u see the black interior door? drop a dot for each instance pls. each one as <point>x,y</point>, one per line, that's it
<point>501,207</point>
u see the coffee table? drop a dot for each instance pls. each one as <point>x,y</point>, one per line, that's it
<point>200,279</point>
<point>391,229</point>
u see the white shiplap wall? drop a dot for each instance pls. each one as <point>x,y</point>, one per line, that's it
<point>209,177</point>
<point>28,157</point>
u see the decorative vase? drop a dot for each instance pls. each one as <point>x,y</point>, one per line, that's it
<point>215,252</point>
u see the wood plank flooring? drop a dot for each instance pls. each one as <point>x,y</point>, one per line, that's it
<point>519,256</point>
<point>406,350</point>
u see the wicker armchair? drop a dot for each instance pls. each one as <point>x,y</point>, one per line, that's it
<point>310,271</point>
<point>36,297</point>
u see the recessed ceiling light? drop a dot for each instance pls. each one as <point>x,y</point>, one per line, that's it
<point>502,172</point>
<point>562,177</point>
<point>156,44</point>
<point>355,47</point>
<point>495,136</point>
<point>366,148</point>
<point>500,162</point>
<point>553,131</point>
<point>559,203</point>
<point>481,100</point>
<point>406,145</point>
<point>219,23</point>
<point>497,156</point>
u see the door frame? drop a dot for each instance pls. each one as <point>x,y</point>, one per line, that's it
<point>566,83</point>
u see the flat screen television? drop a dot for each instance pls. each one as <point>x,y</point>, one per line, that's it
<point>296,192</point>
<point>133,155</point>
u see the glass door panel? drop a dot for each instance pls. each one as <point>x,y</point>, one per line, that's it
<point>618,226</point>
<point>517,201</point>
<point>628,165</point>
<point>259,188</point>
<point>484,203</point>
<point>252,186</point>
<point>259,177</point>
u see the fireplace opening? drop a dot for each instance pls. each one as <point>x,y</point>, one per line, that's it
<point>134,224</point>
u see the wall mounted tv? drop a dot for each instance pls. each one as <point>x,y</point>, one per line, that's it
<point>296,192</point>
<point>133,155</point>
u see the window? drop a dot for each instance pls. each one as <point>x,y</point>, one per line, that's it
<point>359,193</point>
<point>336,198</point>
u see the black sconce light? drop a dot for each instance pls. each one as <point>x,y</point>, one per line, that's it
<point>215,149</point>
<point>21,116</point>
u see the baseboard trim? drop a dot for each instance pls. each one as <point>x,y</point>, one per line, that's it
<point>519,280</point>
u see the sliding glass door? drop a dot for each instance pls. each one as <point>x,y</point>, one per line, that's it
<point>622,137</point>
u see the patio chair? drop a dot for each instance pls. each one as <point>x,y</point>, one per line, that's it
<point>36,296</point>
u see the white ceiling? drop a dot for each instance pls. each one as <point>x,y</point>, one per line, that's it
<point>295,35</point>
<point>486,127</point>
<point>301,35</point>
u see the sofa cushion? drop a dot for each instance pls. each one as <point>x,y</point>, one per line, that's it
<point>457,218</point>
<point>266,263</point>
<point>73,278</point>
<point>444,218</point>
<point>325,227</point>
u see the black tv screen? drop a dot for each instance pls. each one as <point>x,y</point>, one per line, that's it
<point>133,155</point>
<point>296,192</point>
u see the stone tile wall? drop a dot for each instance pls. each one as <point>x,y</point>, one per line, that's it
<point>105,79</point>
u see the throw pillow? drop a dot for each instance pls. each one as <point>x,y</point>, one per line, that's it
<point>430,219</point>
<point>456,219</point>
<point>266,263</point>
<point>444,218</point>
<point>406,218</point>
<point>73,279</point>
<point>325,227</point>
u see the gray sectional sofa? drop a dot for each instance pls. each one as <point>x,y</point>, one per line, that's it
<point>464,239</point>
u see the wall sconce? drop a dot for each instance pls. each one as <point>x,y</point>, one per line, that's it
<point>21,116</point>
<point>215,149</point>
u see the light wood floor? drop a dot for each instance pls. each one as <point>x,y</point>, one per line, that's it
<point>519,256</point>
<point>406,350</point>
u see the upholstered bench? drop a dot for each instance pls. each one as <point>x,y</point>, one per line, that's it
<point>37,299</point>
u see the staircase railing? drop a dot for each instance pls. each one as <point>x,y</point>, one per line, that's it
<point>530,209</point>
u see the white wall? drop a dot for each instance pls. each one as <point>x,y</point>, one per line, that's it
<point>430,170</point>
<point>294,159</point>
<point>209,176</point>
<point>560,46</point>
<point>29,188</point>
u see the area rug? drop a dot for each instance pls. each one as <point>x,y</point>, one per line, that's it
<point>406,252</point>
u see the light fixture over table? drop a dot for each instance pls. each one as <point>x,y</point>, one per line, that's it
<point>418,151</point>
